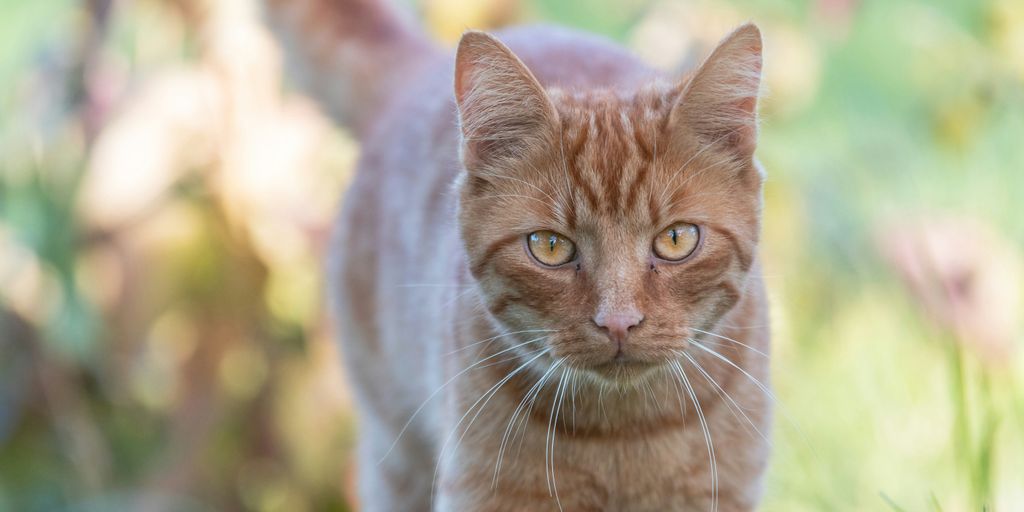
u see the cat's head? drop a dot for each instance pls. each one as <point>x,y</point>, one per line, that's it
<point>606,227</point>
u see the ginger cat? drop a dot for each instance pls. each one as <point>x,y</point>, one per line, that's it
<point>545,273</point>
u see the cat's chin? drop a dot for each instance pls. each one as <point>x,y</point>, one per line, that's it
<point>624,372</point>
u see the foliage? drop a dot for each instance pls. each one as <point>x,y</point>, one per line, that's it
<point>165,200</point>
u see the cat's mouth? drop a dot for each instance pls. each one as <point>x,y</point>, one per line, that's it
<point>623,369</point>
<point>622,365</point>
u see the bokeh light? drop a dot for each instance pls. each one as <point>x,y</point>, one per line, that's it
<point>166,195</point>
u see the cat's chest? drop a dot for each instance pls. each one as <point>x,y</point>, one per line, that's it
<point>605,473</point>
<point>650,473</point>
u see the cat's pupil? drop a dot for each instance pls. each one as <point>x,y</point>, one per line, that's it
<point>675,235</point>
<point>551,243</point>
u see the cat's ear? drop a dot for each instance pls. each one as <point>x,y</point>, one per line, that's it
<point>503,110</point>
<point>719,103</point>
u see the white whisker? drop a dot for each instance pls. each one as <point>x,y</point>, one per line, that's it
<point>486,397</point>
<point>726,338</point>
<point>533,401</point>
<point>575,375</point>
<point>764,389</point>
<point>707,435</point>
<point>433,285</point>
<point>515,414</point>
<point>571,203</point>
<point>503,196</point>
<point>725,395</point>
<point>492,338</point>
<point>549,442</point>
<point>679,172</point>
<point>513,357</point>
<point>756,382</point>
<point>524,182</point>
<point>678,386</point>
<point>442,386</point>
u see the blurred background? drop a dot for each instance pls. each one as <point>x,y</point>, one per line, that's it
<point>165,194</point>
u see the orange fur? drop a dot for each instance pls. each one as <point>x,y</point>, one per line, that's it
<point>483,380</point>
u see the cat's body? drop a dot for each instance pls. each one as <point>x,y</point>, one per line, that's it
<point>428,280</point>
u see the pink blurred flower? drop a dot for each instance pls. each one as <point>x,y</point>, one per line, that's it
<point>964,275</point>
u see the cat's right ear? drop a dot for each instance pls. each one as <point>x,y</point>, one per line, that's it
<point>504,112</point>
<point>719,103</point>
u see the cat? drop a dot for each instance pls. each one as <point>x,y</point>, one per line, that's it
<point>545,272</point>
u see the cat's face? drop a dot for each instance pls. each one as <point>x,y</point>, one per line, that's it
<point>606,229</point>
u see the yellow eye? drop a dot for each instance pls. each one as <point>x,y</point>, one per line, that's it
<point>550,248</point>
<point>677,242</point>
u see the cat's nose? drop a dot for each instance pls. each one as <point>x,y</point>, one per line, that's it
<point>618,324</point>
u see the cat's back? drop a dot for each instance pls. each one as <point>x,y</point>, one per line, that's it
<point>570,59</point>
<point>423,113</point>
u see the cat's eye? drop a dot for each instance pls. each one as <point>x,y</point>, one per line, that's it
<point>550,248</point>
<point>677,242</point>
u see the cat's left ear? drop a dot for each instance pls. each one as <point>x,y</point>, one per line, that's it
<point>719,103</point>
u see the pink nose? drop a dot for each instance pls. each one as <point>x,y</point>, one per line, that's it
<point>618,324</point>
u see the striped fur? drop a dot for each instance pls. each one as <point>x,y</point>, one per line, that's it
<point>482,379</point>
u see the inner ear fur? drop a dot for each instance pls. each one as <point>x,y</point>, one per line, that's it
<point>719,103</point>
<point>504,112</point>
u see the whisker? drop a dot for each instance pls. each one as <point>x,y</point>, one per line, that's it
<point>764,389</point>
<point>678,386</point>
<point>433,285</point>
<point>726,338</point>
<point>486,397</point>
<point>724,394</point>
<point>505,436</point>
<point>648,395</point>
<point>513,358</point>
<point>549,441</point>
<point>679,172</point>
<point>707,436</point>
<point>756,382</point>
<point>744,327</point>
<point>533,401</point>
<point>515,414</point>
<point>456,298</point>
<point>575,375</point>
<point>558,411</point>
<point>438,390</point>
<point>502,196</point>
<point>571,203</point>
<point>492,338</point>
<point>524,182</point>
<point>600,400</point>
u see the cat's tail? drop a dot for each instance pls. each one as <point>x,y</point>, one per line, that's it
<point>350,55</point>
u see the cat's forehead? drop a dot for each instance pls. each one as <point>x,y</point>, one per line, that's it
<point>647,107</point>
<point>617,167</point>
<point>609,145</point>
<point>608,130</point>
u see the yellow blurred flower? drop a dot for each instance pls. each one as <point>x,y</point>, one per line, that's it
<point>1007,18</point>
<point>448,19</point>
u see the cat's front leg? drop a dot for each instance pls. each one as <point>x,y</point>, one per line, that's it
<point>393,478</point>
<point>523,484</point>
<point>453,497</point>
